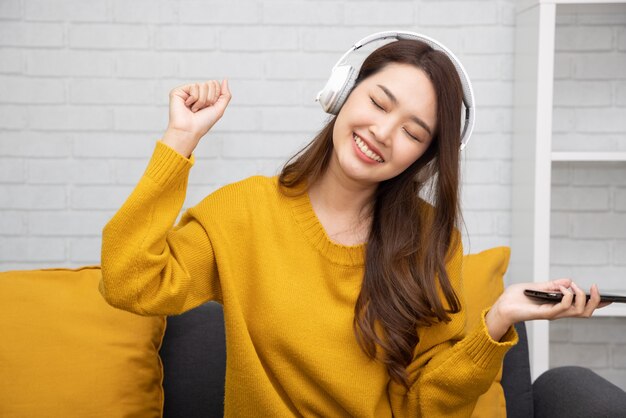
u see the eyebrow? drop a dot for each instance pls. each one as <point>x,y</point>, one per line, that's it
<point>417,120</point>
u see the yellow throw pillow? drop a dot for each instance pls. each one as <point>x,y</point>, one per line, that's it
<point>66,353</point>
<point>483,280</point>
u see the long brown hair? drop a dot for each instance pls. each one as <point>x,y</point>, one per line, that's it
<point>409,241</point>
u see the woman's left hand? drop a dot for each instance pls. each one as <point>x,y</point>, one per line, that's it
<point>514,306</point>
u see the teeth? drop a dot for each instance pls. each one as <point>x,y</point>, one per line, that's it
<point>363,147</point>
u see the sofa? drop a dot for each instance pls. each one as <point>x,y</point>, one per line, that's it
<point>67,353</point>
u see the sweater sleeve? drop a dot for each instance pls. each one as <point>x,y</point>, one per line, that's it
<point>150,266</point>
<point>450,368</point>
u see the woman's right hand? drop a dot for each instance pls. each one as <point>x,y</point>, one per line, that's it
<point>194,109</point>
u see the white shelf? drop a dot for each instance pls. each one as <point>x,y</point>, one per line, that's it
<point>598,4</point>
<point>588,156</point>
<point>533,157</point>
<point>614,309</point>
<point>590,2</point>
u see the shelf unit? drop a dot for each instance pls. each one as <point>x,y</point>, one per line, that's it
<point>533,157</point>
<point>577,156</point>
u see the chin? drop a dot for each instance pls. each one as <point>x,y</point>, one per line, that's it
<point>361,175</point>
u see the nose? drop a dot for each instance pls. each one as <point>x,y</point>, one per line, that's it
<point>382,130</point>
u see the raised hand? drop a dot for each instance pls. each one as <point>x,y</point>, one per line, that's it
<point>194,109</point>
<point>514,306</point>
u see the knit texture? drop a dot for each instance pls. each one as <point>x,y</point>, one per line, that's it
<point>288,293</point>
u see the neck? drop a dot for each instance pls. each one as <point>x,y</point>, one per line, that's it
<point>343,206</point>
<point>341,195</point>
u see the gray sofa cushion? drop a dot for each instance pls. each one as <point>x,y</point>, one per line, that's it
<point>516,380</point>
<point>577,392</point>
<point>194,362</point>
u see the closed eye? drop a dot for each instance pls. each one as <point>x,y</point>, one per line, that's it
<point>412,136</point>
<point>376,104</point>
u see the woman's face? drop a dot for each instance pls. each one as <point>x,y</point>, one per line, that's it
<point>386,124</point>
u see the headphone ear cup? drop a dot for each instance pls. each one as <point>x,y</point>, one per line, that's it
<point>337,88</point>
<point>344,92</point>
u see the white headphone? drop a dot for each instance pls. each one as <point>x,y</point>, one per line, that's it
<point>343,76</point>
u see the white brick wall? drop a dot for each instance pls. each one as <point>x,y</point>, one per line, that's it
<point>598,343</point>
<point>588,223</point>
<point>84,94</point>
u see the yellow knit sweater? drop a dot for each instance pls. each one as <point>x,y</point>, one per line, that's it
<point>288,293</point>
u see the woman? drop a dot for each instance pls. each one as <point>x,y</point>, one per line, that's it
<point>341,286</point>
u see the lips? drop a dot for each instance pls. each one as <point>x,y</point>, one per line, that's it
<point>367,149</point>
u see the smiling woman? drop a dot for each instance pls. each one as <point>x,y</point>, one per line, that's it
<point>336,272</point>
<point>379,163</point>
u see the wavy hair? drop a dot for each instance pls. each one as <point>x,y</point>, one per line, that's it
<point>410,239</point>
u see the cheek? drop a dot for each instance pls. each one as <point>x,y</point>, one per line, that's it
<point>341,124</point>
<point>407,153</point>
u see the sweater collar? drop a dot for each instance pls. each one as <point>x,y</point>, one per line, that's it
<point>346,255</point>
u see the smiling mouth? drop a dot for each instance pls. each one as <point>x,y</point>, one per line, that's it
<point>365,149</point>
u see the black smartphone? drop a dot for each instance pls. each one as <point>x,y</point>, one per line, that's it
<point>557,296</point>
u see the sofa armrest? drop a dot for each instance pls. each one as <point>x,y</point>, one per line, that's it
<point>573,391</point>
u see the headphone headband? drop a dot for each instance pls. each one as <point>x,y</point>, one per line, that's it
<point>343,76</point>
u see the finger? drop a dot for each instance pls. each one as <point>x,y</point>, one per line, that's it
<point>580,301</point>
<point>193,94</point>
<point>217,90</point>
<point>561,309</point>
<point>594,301</point>
<point>225,88</point>
<point>189,90</point>
<point>595,292</point>
<point>224,98</point>
<point>203,91</point>
<point>179,92</point>
<point>568,297</point>
<point>211,95</point>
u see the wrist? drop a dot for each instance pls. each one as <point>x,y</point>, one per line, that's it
<point>183,142</point>
<point>497,323</point>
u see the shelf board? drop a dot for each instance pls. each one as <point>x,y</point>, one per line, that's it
<point>588,156</point>
<point>614,309</point>
<point>523,5</point>
<point>584,1</point>
<point>589,2</point>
